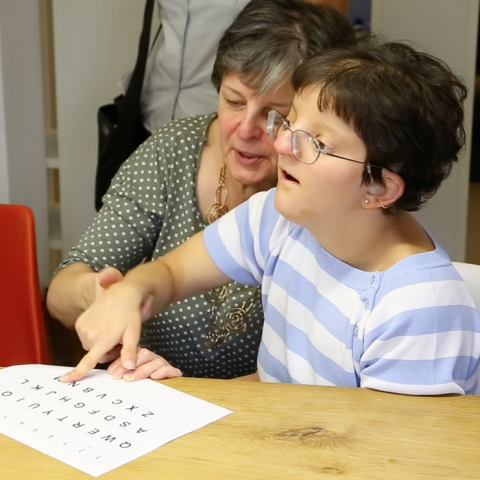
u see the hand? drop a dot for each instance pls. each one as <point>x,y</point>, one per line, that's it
<point>148,365</point>
<point>76,287</point>
<point>105,278</point>
<point>109,276</point>
<point>114,319</point>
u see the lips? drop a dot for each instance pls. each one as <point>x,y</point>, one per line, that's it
<point>248,158</point>
<point>249,155</point>
<point>286,176</point>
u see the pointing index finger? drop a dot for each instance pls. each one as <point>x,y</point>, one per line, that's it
<point>87,363</point>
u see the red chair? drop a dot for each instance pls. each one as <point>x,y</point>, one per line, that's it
<point>22,326</point>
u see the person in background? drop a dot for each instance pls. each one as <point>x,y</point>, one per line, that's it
<point>177,76</point>
<point>356,293</point>
<point>188,174</point>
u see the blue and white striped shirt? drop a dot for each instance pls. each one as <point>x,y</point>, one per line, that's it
<point>412,329</point>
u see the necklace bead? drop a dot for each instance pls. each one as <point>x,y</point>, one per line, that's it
<point>218,208</point>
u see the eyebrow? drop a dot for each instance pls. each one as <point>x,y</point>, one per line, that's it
<point>323,126</point>
<point>232,90</point>
<point>273,104</point>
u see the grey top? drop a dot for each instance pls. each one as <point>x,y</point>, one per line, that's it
<point>150,208</point>
<point>177,76</point>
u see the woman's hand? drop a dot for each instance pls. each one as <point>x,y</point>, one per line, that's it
<point>75,288</point>
<point>149,365</point>
<point>105,278</point>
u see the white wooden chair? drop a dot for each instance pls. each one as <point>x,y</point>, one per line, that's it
<point>471,276</point>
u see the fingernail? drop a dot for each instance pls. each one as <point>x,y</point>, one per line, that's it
<point>129,364</point>
<point>66,378</point>
<point>128,377</point>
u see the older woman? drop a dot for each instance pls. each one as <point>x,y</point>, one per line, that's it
<point>191,172</point>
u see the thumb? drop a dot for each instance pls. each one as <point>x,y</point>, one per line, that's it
<point>108,277</point>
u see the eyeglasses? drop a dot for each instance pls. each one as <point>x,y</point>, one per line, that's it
<point>306,148</point>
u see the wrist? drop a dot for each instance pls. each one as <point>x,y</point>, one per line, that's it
<point>127,291</point>
<point>87,289</point>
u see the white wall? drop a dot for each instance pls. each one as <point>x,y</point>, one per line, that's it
<point>448,30</point>
<point>95,43</point>
<point>4,187</point>
<point>22,145</point>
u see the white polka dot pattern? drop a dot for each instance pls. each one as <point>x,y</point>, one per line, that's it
<point>151,208</point>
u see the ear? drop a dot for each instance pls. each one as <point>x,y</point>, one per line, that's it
<point>393,188</point>
<point>379,195</point>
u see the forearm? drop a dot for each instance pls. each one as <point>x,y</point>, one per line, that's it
<point>149,280</point>
<point>71,292</point>
<point>185,271</point>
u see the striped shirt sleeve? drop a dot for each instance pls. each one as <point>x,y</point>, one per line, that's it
<point>239,242</point>
<point>426,345</point>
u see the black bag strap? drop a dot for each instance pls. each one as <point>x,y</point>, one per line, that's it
<point>134,88</point>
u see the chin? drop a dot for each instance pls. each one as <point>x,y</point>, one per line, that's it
<point>283,205</point>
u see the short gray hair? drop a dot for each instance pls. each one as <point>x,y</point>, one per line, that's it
<point>270,38</point>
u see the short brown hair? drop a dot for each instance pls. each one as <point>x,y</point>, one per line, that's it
<point>406,106</point>
<point>270,38</point>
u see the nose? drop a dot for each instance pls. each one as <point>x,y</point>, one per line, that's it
<point>251,127</point>
<point>283,143</point>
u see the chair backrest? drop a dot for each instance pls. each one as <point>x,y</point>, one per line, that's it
<point>471,276</point>
<point>22,326</point>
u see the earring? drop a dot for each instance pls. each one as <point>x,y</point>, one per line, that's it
<point>382,205</point>
<point>366,200</point>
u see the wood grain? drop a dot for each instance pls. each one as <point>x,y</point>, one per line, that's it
<point>298,432</point>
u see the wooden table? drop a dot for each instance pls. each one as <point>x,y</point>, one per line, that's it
<point>297,432</point>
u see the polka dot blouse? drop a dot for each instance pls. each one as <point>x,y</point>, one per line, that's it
<point>151,208</point>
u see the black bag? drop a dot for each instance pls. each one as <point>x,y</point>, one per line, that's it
<point>120,125</point>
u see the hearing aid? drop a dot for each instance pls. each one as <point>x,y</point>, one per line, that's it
<point>374,189</point>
